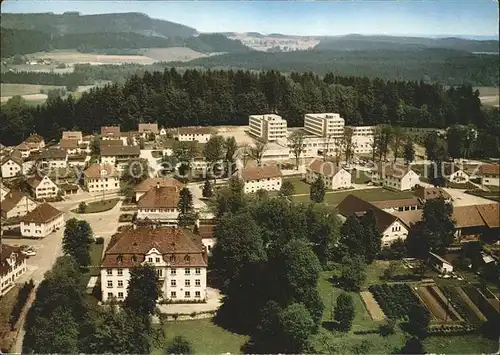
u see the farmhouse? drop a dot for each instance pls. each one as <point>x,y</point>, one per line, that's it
<point>147,128</point>
<point>159,204</point>
<point>17,204</point>
<point>12,266</point>
<point>34,142</point>
<point>395,177</point>
<point>73,135</point>
<point>150,183</point>
<point>333,176</point>
<point>490,174</point>
<point>54,158</point>
<point>12,165</point>
<point>267,178</point>
<point>101,178</point>
<point>110,132</point>
<point>389,226</point>
<point>42,187</point>
<point>200,134</point>
<point>441,265</point>
<point>23,149</point>
<point>180,262</point>
<point>42,221</point>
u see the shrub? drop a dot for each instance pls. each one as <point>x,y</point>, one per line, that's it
<point>82,207</point>
<point>388,328</point>
<point>22,297</point>
<point>99,240</point>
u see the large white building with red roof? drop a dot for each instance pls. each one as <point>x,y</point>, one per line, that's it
<point>42,221</point>
<point>334,177</point>
<point>179,258</point>
<point>257,178</point>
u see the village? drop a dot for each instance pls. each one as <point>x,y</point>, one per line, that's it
<point>84,176</point>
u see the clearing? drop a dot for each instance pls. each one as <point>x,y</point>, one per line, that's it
<point>174,54</point>
<point>71,57</point>
<point>489,95</point>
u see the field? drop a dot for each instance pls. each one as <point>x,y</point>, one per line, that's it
<point>31,92</point>
<point>434,304</point>
<point>71,57</point>
<point>172,54</point>
<point>489,95</point>
<point>375,194</point>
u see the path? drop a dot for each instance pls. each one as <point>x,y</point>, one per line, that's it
<point>372,305</point>
<point>214,301</point>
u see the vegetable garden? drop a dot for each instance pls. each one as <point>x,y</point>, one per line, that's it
<point>395,300</point>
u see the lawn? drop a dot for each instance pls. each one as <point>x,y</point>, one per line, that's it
<point>460,344</point>
<point>206,337</point>
<point>99,206</point>
<point>376,194</point>
<point>360,177</point>
<point>299,185</point>
<point>95,261</point>
<point>24,89</point>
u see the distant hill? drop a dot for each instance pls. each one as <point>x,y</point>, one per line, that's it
<point>216,42</point>
<point>74,23</point>
<point>355,42</point>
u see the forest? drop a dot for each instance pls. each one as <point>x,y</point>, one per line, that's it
<point>228,97</point>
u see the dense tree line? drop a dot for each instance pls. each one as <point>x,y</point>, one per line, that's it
<point>229,97</point>
<point>444,66</point>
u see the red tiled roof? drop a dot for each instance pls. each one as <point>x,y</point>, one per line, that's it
<point>322,167</point>
<point>490,214</point>
<point>148,127</point>
<point>15,156</point>
<point>489,169</point>
<point>94,171</point>
<point>68,144</point>
<point>42,214</point>
<point>128,249</point>
<point>107,150</point>
<point>397,203</point>
<point>261,172</point>
<point>110,131</point>
<point>429,193</point>
<point>12,199</point>
<point>72,135</point>
<point>149,183</point>
<point>160,197</point>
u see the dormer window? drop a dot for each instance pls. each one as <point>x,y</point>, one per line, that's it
<point>172,258</point>
<point>134,258</point>
<point>187,258</point>
<point>119,259</point>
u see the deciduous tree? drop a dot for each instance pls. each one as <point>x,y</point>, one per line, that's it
<point>136,171</point>
<point>143,290</point>
<point>409,152</point>
<point>180,345</point>
<point>297,143</point>
<point>76,241</point>
<point>317,190</point>
<point>287,189</point>
<point>257,151</point>
<point>344,312</point>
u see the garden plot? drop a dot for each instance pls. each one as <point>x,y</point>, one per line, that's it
<point>437,304</point>
<point>373,307</point>
<point>463,304</point>
<point>478,298</point>
<point>395,300</point>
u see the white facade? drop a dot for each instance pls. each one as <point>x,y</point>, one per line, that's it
<point>363,144</point>
<point>363,131</point>
<point>10,169</point>
<point>400,183</point>
<point>395,231</point>
<point>46,189</point>
<point>166,216</point>
<point>177,283</point>
<point>56,162</point>
<point>268,127</point>
<point>268,184</point>
<point>23,207</point>
<point>163,132</point>
<point>189,135</point>
<point>40,230</point>
<point>341,179</point>
<point>16,269</point>
<point>324,124</point>
<point>102,183</point>
<point>459,176</point>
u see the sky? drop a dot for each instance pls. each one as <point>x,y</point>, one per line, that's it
<point>390,17</point>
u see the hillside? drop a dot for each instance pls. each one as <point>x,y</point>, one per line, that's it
<point>360,42</point>
<point>215,42</point>
<point>431,65</point>
<point>74,23</point>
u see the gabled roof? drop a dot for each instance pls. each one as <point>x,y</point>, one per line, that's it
<point>34,138</point>
<point>68,144</point>
<point>489,169</point>
<point>6,253</point>
<point>110,131</point>
<point>15,156</point>
<point>34,181</point>
<point>261,172</point>
<point>23,147</point>
<point>429,193</point>
<point>12,199</point>
<point>54,153</point>
<point>42,214</point>
<point>128,248</point>
<point>160,197</point>
<point>149,183</point>
<point>327,168</point>
<point>195,130</point>
<point>133,150</point>
<point>72,135</point>
<point>353,205</point>
<point>94,171</point>
<point>398,203</point>
<point>111,142</point>
<point>490,214</point>
<point>452,168</point>
<point>148,127</point>
<point>392,170</point>
<point>467,216</point>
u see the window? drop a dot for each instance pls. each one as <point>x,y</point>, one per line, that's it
<point>173,283</point>
<point>197,282</point>
<point>197,294</point>
<point>187,294</point>
<point>120,295</point>
<point>187,283</point>
<point>187,258</point>
<point>173,294</point>
<point>173,272</point>
<point>150,260</point>
<point>110,283</point>
<point>120,283</point>
<point>157,260</point>
<point>110,294</point>
<point>120,272</point>
<point>159,272</point>
<point>197,271</point>
<point>187,271</point>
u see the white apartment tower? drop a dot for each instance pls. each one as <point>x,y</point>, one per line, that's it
<point>268,127</point>
<point>324,124</point>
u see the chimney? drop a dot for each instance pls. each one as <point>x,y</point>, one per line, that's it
<point>157,184</point>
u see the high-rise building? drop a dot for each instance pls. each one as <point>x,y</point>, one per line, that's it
<point>324,124</point>
<point>268,127</point>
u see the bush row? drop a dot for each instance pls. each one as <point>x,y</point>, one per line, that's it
<point>22,297</point>
<point>460,305</point>
<point>395,300</point>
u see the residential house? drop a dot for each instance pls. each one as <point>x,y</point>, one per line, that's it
<point>429,193</point>
<point>333,176</point>
<point>267,178</point>
<point>17,204</point>
<point>54,158</point>
<point>407,204</point>
<point>149,183</point>
<point>163,131</point>
<point>71,146</point>
<point>12,266</point>
<point>490,174</point>
<point>23,149</point>
<point>395,176</point>
<point>77,135</point>
<point>146,128</point>
<point>159,204</point>
<point>441,265</point>
<point>4,191</point>
<point>206,229</point>
<point>78,160</point>
<point>200,134</point>
<point>110,132</point>
<point>119,155</point>
<point>101,178</point>
<point>12,165</point>
<point>388,225</point>
<point>180,263</point>
<point>42,187</point>
<point>68,189</point>
<point>34,142</point>
<point>453,173</point>
<point>130,138</point>
<point>42,221</point>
